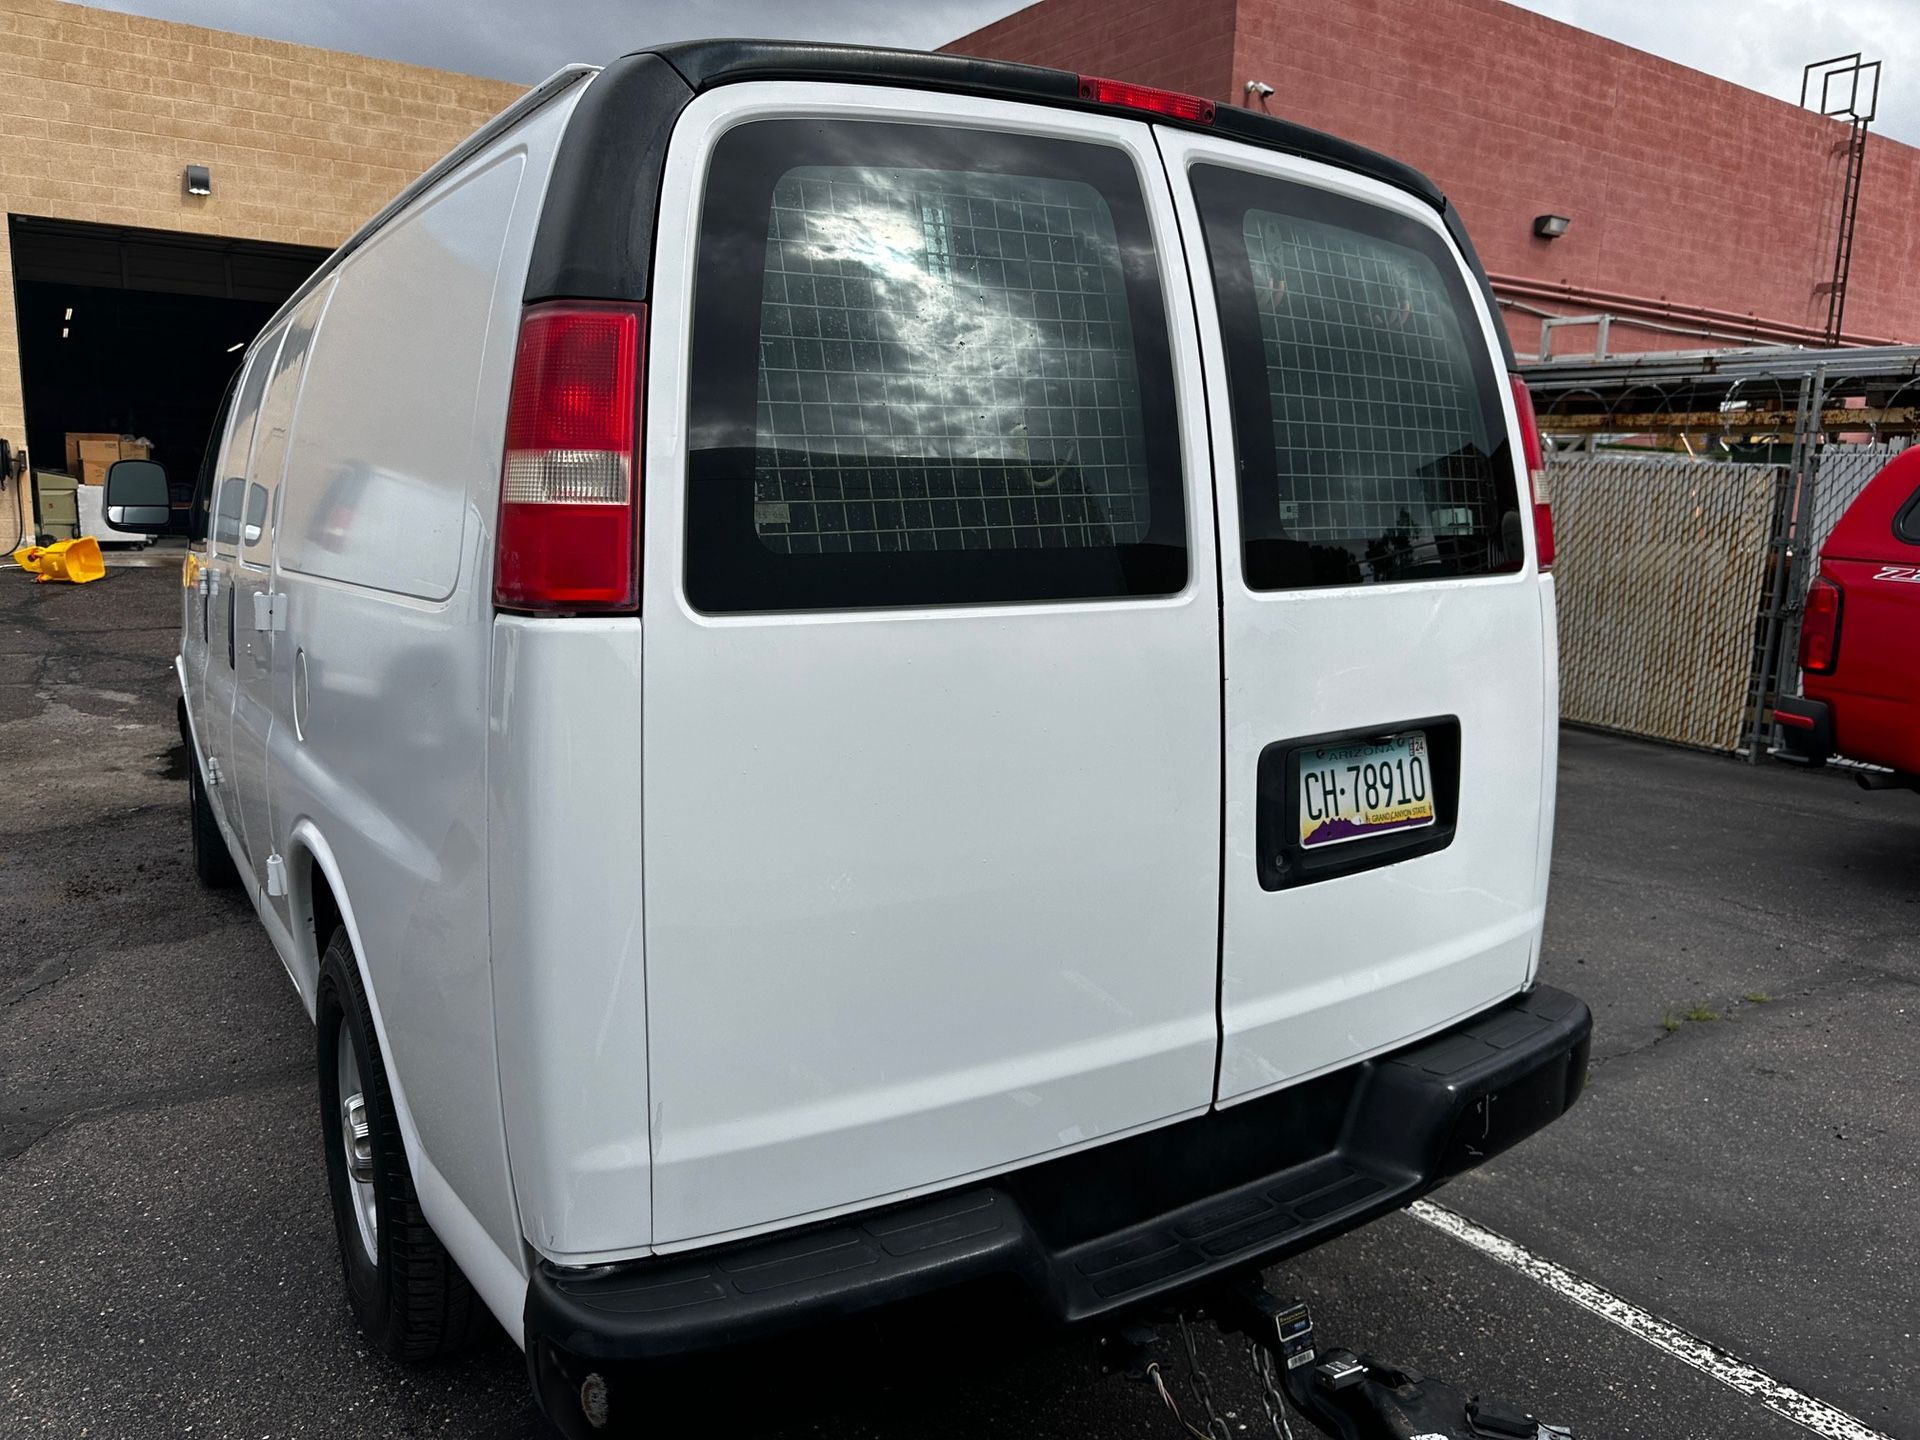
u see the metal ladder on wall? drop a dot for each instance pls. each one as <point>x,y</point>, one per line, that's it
<point>1849,90</point>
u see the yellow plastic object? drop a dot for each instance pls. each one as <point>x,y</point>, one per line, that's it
<point>75,560</point>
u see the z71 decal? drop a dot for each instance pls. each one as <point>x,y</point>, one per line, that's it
<point>1908,573</point>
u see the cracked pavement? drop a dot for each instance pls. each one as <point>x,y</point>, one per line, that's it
<point>170,1264</point>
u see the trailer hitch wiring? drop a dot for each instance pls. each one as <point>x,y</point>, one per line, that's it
<point>1349,1395</point>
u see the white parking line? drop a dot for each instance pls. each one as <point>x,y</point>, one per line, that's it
<point>1711,1360</point>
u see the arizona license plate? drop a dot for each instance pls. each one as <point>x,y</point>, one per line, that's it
<point>1349,792</point>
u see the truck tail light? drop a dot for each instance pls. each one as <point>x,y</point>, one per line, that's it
<point>1820,628</point>
<point>568,535</point>
<point>1128,96</point>
<point>1536,473</point>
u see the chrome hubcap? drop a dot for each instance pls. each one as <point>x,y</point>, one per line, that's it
<point>356,1143</point>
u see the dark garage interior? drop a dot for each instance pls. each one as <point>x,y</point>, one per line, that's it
<point>137,332</point>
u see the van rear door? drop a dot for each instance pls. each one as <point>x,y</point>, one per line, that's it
<point>1387,700</point>
<point>931,673</point>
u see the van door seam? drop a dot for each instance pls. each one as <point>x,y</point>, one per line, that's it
<point>1220,634</point>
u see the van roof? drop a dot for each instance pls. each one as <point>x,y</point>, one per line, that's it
<point>596,232</point>
<point>704,64</point>
<point>595,239</point>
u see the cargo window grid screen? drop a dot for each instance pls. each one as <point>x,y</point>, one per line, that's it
<point>1366,410</point>
<point>929,366</point>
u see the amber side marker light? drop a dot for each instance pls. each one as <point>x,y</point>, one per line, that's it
<point>1129,96</point>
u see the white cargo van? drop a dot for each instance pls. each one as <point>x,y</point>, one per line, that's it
<point>840,674</point>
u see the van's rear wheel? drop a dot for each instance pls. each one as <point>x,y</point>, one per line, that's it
<point>212,861</point>
<point>410,1299</point>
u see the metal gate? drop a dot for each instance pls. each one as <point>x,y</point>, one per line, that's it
<point>1809,407</point>
<point>1660,572</point>
<point>1843,472</point>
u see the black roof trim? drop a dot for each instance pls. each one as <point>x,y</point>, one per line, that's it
<point>1457,228</point>
<point>595,240</point>
<point>597,227</point>
<point>707,63</point>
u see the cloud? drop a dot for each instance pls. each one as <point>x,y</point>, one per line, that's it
<point>516,40</point>
<point>1763,44</point>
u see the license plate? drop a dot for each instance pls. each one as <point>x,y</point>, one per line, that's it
<point>1351,792</point>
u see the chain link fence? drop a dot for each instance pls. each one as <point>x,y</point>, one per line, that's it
<point>1683,580</point>
<point>1661,569</point>
<point>1841,473</point>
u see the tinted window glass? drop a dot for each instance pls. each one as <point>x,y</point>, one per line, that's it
<point>1366,410</point>
<point>199,516</point>
<point>929,367</point>
<point>1906,525</point>
<point>276,419</point>
<point>226,521</point>
<point>256,523</point>
<point>246,408</point>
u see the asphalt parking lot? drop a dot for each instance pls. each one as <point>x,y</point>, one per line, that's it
<point>1745,1164</point>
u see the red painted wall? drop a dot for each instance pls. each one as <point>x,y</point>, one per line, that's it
<point>1681,188</point>
<point>1180,44</point>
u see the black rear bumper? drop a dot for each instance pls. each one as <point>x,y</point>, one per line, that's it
<point>1806,727</point>
<point>1108,1229</point>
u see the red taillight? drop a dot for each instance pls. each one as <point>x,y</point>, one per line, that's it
<point>1536,473</point>
<point>1820,628</point>
<point>569,485</point>
<point>1145,97</point>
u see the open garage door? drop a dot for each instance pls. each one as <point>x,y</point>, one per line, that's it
<point>136,332</point>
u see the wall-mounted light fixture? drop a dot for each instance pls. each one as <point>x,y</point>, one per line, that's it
<point>199,180</point>
<point>1550,227</point>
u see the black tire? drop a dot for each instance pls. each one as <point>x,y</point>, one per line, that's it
<point>410,1300</point>
<point>212,861</point>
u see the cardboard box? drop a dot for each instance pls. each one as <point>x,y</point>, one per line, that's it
<point>88,456</point>
<point>95,457</point>
<point>74,440</point>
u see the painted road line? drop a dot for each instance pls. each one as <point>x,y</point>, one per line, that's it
<point>1708,1359</point>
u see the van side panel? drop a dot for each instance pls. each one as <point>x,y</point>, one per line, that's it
<point>389,489</point>
<point>563,769</point>
<point>386,491</point>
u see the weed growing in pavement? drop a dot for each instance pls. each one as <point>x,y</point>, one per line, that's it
<point>1756,997</point>
<point>1700,1012</point>
<point>1669,1022</point>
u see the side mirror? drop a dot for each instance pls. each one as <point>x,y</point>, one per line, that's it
<point>136,500</point>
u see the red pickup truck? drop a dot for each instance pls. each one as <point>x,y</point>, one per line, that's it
<point>1860,637</point>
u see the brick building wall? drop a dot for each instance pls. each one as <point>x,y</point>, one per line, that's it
<point>101,112</point>
<point>1179,44</point>
<point>1694,202</point>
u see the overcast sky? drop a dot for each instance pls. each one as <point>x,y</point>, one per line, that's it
<point>1758,43</point>
<point>1763,44</point>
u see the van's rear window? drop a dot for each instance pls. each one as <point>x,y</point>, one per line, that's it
<point>1366,408</point>
<point>929,366</point>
